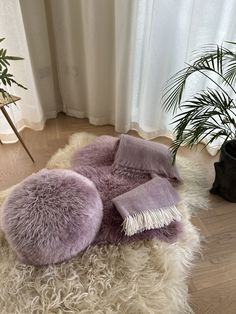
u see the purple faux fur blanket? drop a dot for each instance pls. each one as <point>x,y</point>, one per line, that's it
<point>95,162</point>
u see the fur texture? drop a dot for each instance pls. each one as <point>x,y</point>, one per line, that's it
<point>145,277</point>
<point>51,216</point>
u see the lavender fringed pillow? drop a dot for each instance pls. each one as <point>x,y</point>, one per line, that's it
<point>51,216</point>
<point>135,157</point>
<point>149,206</point>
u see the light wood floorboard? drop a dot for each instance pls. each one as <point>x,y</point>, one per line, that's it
<point>213,281</point>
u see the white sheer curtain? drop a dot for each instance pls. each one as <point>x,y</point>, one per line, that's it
<point>105,59</point>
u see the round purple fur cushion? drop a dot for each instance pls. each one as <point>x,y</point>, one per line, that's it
<point>51,216</point>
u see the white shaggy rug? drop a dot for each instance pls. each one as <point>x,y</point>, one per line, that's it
<point>146,277</point>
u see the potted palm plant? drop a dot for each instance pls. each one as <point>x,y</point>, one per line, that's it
<point>208,114</point>
<point>6,78</point>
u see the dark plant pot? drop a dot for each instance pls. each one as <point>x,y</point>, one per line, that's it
<point>225,172</point>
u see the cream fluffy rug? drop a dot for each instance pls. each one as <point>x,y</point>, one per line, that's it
<point>147,277</point>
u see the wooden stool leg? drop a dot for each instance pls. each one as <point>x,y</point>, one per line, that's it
<point>15,131</point>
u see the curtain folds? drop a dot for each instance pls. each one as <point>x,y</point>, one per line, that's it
<point>106,59</point>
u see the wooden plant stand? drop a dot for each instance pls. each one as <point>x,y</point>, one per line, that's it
<point>7,101</point>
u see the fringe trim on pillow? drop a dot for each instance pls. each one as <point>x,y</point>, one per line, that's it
<point>130,172</point>
<point>150,219</point>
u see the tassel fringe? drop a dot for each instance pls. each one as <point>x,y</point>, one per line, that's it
<point>150,219</point>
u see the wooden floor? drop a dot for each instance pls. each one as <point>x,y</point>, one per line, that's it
<point>213,282</point>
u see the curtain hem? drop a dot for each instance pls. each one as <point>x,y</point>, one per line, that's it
<point>8,138</point>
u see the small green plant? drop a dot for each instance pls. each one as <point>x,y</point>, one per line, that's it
<point>6,78</point>
<point>211,112</point>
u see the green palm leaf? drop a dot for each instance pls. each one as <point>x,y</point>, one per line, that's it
<point>5,77</point>
<point>208,113</point>
<point>214,59</point>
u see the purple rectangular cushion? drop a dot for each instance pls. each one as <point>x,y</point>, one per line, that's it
<point>149,206</point>
<point>135,156</point>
